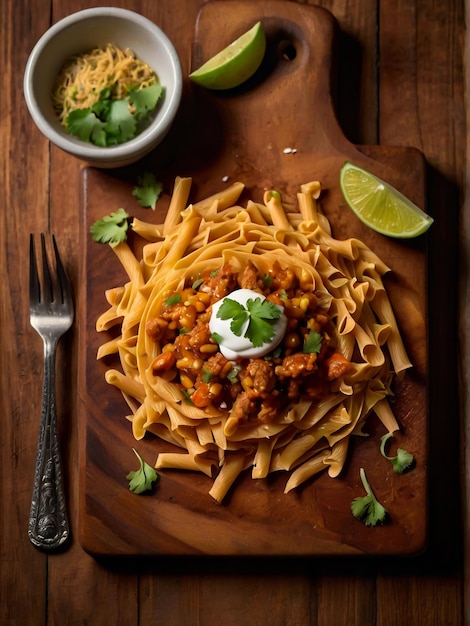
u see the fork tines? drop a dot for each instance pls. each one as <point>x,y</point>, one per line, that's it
<point>52,290</point>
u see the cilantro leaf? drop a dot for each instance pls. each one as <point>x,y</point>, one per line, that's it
<point>238,322</point>
<point>148,190</point>
<point>312,342</point>
<point>260,315</point>
<point>145,99</point>
<point>264,309</point>
<point>121,124</point>
<point>231,309</point>
<point>111,229</point>
<point>142,479</point>
<point>101,107</point>
<point>260,328</point>
<point>402,461</point>
<point>368,508</point>
<point>259,331</point>
<point>84,124</point>
<point>98,136</point>
<point>110,121</point>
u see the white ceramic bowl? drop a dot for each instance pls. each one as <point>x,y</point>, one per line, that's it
<point>80,32</point>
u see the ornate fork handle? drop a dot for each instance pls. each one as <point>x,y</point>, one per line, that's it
<point>48,524</point>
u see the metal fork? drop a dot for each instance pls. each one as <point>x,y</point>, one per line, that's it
<point>51,315</point>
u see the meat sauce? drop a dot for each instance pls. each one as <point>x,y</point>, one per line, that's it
<point>250,389</point>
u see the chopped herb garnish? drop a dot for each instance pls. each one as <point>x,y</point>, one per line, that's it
<point>142,479</point>
<point>174,299</point>
<point>148,190</point>
<point>368,508</point>
<point>403,459</point>
<point>145,100</point>
<point>312,342</point>
<point>111,229</point>
<point>216,338</point>
<point>207,375</point>
<point>109,121</point>
<point>186,396</point>
<point>233,374</point>
<point>260,315</point>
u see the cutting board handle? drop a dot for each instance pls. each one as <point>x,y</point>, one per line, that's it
<point>288,103</point>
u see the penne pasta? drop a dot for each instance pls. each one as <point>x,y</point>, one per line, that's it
<point>178,203</point>
<point>179,385</point>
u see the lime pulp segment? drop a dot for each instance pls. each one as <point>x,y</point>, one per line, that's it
<point>380,206</point>
<point>235,64</point>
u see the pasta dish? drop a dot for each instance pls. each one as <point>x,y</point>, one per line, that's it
<point>250,338</point>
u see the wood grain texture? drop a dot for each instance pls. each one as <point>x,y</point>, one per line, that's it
<point>420,79</point>
<point>380,43</point>
<point>21,365</point>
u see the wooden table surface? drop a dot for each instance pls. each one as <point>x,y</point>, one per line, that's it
<point>400,82</point>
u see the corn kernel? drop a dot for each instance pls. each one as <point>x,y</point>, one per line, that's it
<point>199,306</point>
<point>204,297</point>
<point>208,348</point>
<point>186,381</point>
<point>248,382</point>
<point>226,369</point>
<point>313,325</point>
<point>304,302</point>
<point>215,389</point>
<point>184,363</point>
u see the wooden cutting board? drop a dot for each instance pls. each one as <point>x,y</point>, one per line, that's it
<point>242,135</point>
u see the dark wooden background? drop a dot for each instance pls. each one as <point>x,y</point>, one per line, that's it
<point>400,82</point>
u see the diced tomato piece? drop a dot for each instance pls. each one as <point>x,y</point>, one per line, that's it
<point>202,396</point>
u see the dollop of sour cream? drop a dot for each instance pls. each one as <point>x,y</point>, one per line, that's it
<point>235,347</point>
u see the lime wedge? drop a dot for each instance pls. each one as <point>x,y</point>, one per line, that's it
<point>380,206</point>
<point>233,65</point>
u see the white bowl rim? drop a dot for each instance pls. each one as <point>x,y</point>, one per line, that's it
<point>84,150</point>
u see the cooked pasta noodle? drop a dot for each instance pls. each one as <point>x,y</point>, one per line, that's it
<point>84,76</point>
<point>334,287</point>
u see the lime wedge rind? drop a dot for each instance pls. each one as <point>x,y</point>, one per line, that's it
<point>235,64</point>
<point>380,206</point>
